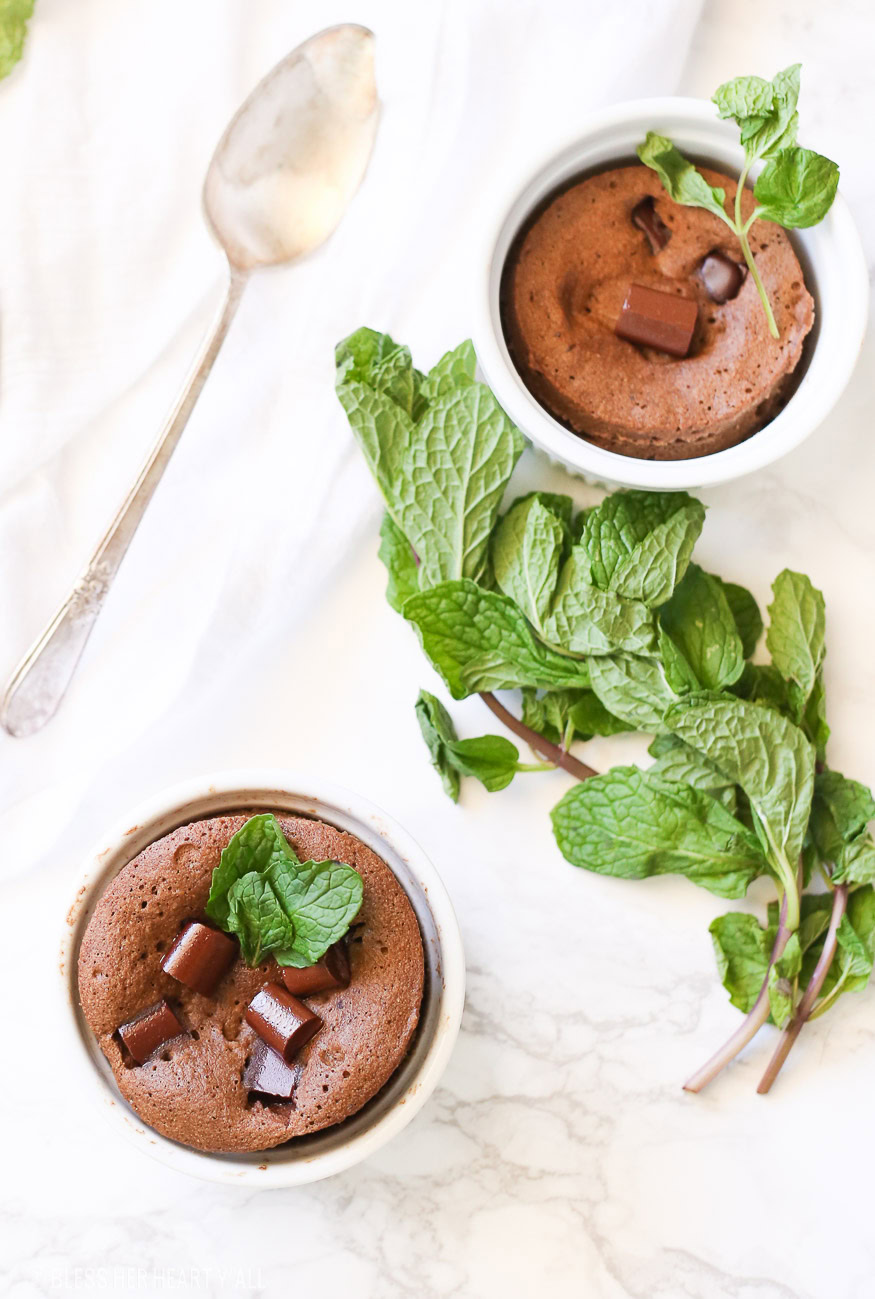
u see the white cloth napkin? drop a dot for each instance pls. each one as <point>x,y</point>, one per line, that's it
<point>107,279</point>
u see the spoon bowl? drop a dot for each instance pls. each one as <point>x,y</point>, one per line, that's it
<point>295,153</point>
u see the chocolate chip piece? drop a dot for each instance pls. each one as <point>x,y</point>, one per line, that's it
<point>269,1074</point>
<point>646,218</point>
<point>281,1020</point>
<point>199,956</point>
<point>331,972</point>
<point>150,1029</point>
<point>651,318</point>
<point>721,276</point>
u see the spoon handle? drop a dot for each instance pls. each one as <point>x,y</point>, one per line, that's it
<point>41,679</point>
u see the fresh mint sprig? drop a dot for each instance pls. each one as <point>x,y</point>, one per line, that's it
<point>795,188</point>
<point>276,904</point>
<point>491,759</point>
<point>605,623</point>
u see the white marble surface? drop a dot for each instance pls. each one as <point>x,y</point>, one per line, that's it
<point>560,1155</point>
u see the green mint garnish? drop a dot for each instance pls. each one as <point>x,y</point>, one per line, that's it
<point>277,905</point>
<point>604,623</point>
<point>795,188</point>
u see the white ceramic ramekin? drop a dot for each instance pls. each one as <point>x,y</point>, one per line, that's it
<point>833,262</point>
<point>306,1159</point>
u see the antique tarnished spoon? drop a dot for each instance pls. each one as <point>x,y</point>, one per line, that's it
<point>281,178</point>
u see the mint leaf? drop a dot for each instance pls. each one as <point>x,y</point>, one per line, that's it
<point>744,98</point>
<point>479,640</point>
<point>557,503</point>
<point>848,803</point>
<point>492,759</point>
<point>763,138</point>
<point>550,714</point>
<point>762,752</point>
<point>321,898</point>
<point>439,446</point>
<point>746,612</point>
<point>629,824</point>
<point>679,177</point>
<point>763,684</point>
<point>764,110</point>
<point>633,689</point>
<point>676,761</point>
<point>277,904</point>
<point>437,727</point>
<point>658,563</point>
<point>14,16</point>
<point>814,722</point>
<point>856,937</point>
<point>678,673</point>
<point>455,369</point>
<point>448,487</point>
<point>702,626</point>
<point>377,387</point>
<point>382,365</point>
<point>586,620</point>
<point>796,638</point>
<point>855,863</point>
<point>527,550</point>
<point>589,717</point>
<point>612,530</point>
<point>255,847</point>
<point>840,816</point>
<point>257,918</point>
<point>796,188</point>
<point>639,543</point>
<point>743,950</point>
<point>397,554</point>
<point>852,965</point>
<point>782,976</point>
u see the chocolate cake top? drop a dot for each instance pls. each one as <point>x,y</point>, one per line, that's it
<point>192,1089</point>
<point>564,289</point>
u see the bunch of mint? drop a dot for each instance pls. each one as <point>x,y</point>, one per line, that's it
<point>604,624</point>
<point>795,188</point>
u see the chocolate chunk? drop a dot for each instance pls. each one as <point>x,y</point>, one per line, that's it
<point>281,1020</point>
<point>199,956</point>
<point>646,218</point>
<point>721,276</point>
<point>655,319</point>
<point>331,972</point>
<point>269,1074</point>
<point>150,1029</point>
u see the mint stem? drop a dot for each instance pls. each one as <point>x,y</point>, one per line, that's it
<point>559,757</point>
<point>811,993</point>
<point>753,1021</point>
<point>741,230</point>
<point>764,297</point>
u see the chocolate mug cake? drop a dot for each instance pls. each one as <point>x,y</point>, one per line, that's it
<point>222,1055</point>
<point>633,319</point>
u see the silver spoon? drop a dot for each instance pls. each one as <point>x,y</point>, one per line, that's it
<point>281,178</point>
